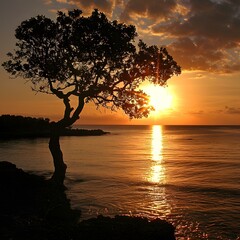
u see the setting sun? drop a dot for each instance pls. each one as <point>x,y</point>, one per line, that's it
<point>160,97</point>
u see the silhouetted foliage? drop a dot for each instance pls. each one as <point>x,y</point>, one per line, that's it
<point>16,123</point>
<point>12,127</point>
<point>90,58</point>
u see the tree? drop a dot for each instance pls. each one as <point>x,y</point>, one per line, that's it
<point>92,59</point>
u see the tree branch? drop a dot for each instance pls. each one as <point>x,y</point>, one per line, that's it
<point>68,120</point>
<point>58,93</point>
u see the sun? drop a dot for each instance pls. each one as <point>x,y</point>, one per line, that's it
<point>160,97</point>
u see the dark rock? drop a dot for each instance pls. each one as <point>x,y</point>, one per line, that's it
<point>32,208</point>
<point>19,190</point>
<point>125,227</point>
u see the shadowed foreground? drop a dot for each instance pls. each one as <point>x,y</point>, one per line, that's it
<point>32,208</point>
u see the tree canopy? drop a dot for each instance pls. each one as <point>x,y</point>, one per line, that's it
<point>91,58</point>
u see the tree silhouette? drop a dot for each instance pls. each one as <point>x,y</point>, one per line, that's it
<point>92,59</point>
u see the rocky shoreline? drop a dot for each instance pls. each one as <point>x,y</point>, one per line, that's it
<point>32,208</point>
<point>15,127</point>
<point>6,135</point>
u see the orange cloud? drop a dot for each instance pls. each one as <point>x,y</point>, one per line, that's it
<point>152,9</point>
<point>232,110</point>
<point>200,34</point>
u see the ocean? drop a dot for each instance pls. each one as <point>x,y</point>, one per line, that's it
<point>188,175</point>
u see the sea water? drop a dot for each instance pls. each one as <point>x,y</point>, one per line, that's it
<point>188,175</point>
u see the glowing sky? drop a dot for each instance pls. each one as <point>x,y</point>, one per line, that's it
<point>203,36</point>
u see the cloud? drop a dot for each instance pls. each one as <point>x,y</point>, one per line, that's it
<point>232,110</point>
<point>152,9</point>
<point>228,110</point>
<point>207,37</point>
<point>200,34</point>
<point>200,112</point>
<point>206,19</point>
<point>88,5</point>
<point>102,5</point>
<point>196,54</point>
<point>47,2</point>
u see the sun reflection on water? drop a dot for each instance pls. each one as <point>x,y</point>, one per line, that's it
<point>157,174</point>
<point>157,143</point>
<point>157,203</point>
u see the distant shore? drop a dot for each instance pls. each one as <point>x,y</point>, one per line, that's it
<point>12,127</point>
<point>46,134</point>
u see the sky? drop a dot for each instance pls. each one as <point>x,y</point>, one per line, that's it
<point>203,36</point>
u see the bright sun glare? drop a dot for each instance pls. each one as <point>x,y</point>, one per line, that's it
<point>160,97</point>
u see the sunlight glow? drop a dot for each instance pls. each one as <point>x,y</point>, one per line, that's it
<point>157,143</point>
<point>160,97</point>
<point>157,170</point>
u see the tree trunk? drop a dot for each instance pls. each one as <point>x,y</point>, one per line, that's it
<point>59,165</point>
<point>56,128</point>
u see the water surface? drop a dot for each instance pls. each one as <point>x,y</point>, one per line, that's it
<point>188,175</point>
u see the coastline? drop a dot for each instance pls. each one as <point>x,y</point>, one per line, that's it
<point>12,127</point>
<point>32,208</point>
<point>46,133</point>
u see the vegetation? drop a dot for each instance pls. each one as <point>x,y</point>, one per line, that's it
<point>15,123</point>
<point>91,59</point>
<point>12,126</point>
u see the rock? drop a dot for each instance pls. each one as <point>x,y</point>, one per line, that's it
<point>125,227</point>
<point>32,208</point>
<point>19,190</point>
